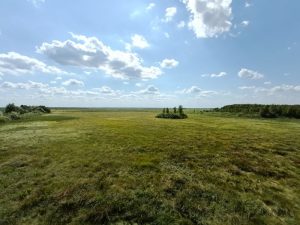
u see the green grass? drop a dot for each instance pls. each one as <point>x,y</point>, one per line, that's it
<point>128,167</point>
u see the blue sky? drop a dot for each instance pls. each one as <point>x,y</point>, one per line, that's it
<point>138,53</point>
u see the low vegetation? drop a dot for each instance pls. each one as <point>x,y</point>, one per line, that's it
<point>176,114</point>
<point>127,167</point>
<point>265,111</point>
<point>13,112</point>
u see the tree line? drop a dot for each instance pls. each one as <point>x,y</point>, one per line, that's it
<point>266,111</point>
<point>175,113</point>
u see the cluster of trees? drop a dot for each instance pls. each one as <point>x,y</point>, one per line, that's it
<point>266,111</point>
<point>172,114</point>
<point>26,109</point>
<point>13,112</point>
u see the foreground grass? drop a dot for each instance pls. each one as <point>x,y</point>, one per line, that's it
<point>102,167</point>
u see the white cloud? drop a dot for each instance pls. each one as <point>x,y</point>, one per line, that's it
<point>247,87</point>
<point>16,64</point>
<point>279,89</point>
<point>169,63</point>
<point>245,23</point>
<point>285,87</point>
<point>267,82</point>
<point>247,4</point>
<point>36,3</point>
<point>209,18</point>
<point>26,86</point>
<point>139,41</point>
<point>150,90</point>
<point>192,90</point>
<point>181,24</point>
<point>213,75</point>
<point>107,91</point>
<point>169,14</point>
<point>90,52</point>
<point>47,90</point>
<point>195,90</point>
<point>73,82</point>
<point>150,6</point>
<point>167,35</point>
<point>207,93</point>
<point>246,73</point>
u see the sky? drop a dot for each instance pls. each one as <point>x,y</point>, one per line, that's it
<point>143,53</point>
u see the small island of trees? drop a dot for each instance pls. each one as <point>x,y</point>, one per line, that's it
<point>172,114</point>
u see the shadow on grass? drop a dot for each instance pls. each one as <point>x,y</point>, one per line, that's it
<point>38,118</point>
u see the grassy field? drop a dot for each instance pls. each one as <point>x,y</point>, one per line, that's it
<point>127,167</point>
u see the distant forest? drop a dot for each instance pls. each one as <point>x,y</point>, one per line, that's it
<point>265,111</point>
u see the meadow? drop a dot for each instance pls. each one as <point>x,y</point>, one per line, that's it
<point>113,166</point>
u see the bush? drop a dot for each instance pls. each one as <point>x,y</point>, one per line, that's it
<point>3,119</point>
<point>14,116</point>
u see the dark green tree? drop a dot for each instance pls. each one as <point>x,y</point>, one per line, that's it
<point>167,110</point>
<point>180,110</point>
<point>11,108</point>
<point>175,110</point>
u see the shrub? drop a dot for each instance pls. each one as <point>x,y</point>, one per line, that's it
<point>14,116</point>
<point>3,119</point>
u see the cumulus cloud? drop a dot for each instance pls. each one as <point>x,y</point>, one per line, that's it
<point>213,75</point>
<point>197,91</point>
<point>285,87</point>
<point>27,86</point>
<point>209,18</point>
<point>181,24</point>
<point>73,82</point>
<point>17,64</point>
<point>279,89</point>
<point>90,52</point>
<point>150,6</point>
<point>245,23</point>
<point>138,41</point>
<point>36,3</point>
<point>169,14</point>
<point>107,91</point>
<point>250,74</point>
<point>150,90</point>
<point>192,90</point>
<point>247,87</point>
<point>169,63</point>
<point>247,4</point>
